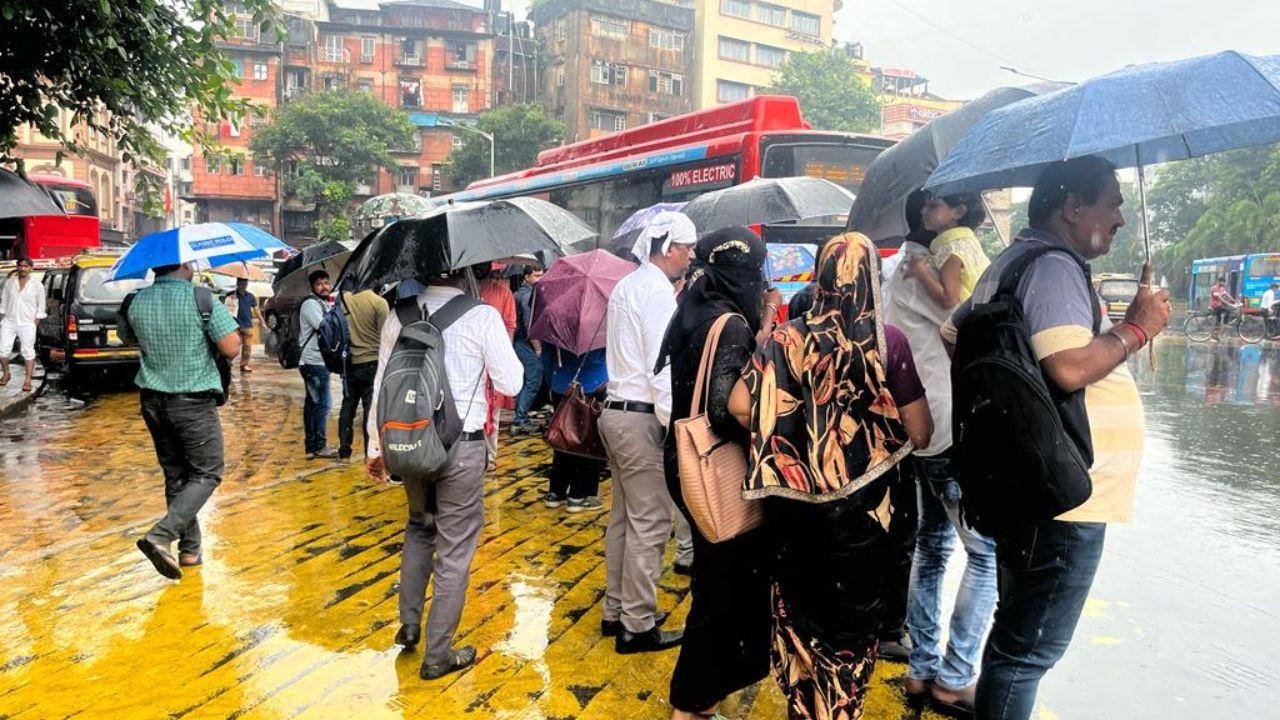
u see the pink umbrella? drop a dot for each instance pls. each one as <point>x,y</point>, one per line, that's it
<point>571,299</point>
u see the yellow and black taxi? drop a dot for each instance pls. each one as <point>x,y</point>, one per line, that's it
<point>79,335</point>
<point>1116,290</point>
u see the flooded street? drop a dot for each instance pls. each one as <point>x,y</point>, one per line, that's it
<point>293,613</point>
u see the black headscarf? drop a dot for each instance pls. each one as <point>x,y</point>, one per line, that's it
<point>728,277</point>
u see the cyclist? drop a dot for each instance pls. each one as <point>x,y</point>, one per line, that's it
<point>1221,304</point>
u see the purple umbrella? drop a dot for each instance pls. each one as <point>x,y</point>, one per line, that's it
<point>570,301</point>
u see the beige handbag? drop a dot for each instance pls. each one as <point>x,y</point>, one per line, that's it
<point>712,470</point>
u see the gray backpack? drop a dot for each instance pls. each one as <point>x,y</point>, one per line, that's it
<point>418,422</point>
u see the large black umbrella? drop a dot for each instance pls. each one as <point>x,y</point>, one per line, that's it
<point>879,212</point>
<point>770,200</point>
<point>331,256</point>
<point>460,235</point>
<point>20,198</point>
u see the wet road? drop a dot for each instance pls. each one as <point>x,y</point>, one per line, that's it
<point>293,613</point>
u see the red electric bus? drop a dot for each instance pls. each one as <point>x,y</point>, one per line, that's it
<point>605,179</point>
<point>54,236</point>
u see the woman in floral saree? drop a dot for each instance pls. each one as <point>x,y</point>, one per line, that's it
<point>826,439</point>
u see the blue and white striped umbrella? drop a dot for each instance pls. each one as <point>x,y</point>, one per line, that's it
<point>206,245</point>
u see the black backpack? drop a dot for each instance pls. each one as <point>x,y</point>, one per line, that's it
<point>333,338</point>
<point>418,422</point>
<point>204,306</point>
<point>289,347</point>
<point>1021,447</point>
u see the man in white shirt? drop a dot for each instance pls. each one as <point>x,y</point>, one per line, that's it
<point>946,672</point>
<point>445,516</point>
<point>21,306</point>
<point>1268,304</point>
<point>632,425</point>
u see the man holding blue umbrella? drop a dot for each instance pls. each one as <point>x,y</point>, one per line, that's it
<point>179,328</point>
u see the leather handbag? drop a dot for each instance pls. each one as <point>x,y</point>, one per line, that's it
<point>573,424</point>
<point>712,470</point>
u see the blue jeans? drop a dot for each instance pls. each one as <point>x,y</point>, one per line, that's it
<point>939,496</point>
<point>315,407</point>
<point>1045,575</point>
<point>532,380</point>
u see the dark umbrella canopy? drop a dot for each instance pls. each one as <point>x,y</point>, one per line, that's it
<point>879,212</point>
<point>460,235</point>
<point>769,200</point>
<point>19,198</point>
<point>571,299</point>
<point>331,256</point>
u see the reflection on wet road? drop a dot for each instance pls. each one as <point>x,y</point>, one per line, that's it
<point>294,611</point>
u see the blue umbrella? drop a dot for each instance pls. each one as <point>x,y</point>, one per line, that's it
<point>1140,115</point>
<point>206,244</point>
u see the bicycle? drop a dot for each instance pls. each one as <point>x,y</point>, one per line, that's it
<point>1249,327</point>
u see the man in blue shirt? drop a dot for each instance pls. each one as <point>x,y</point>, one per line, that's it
<point>180,389</point>
<point>246,313</point>
<point>315,376</point>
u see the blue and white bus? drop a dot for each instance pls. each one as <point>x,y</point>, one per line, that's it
<point>1247,276</point>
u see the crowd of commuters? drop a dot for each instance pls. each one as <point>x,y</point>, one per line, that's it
<point>844,411</point>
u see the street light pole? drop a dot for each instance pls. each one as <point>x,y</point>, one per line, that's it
<point>481,133</point>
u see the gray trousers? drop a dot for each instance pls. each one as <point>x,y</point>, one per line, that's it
<point>639,519</point>
<point>188,440</point>
<point>445,518</point>
<point>684,539</point>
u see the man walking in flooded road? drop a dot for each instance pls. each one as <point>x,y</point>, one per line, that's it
<point>180,392</point>
<point>21,307</point>
<point>446,515</point>
<point>1046,569</point>
<point>632,425</point>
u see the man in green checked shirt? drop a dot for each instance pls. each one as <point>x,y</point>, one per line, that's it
<point>180,389</point>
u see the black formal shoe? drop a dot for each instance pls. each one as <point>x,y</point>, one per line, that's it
<point>161,559</point>
<point>458,659</point>
<point>686,570</point>
<point>655,639</point>
<point>408,636</point>
<point>612,628</point>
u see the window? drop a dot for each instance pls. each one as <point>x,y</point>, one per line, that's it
<point>603,73</point>
<point>457,142</point>
<point>731,49</point>
<point>770,56</point>
<point>407,179</point>
<point>461,99</point>
<point>246,28</point>
<point>331,49</point>
<point>771,14</point>
<point>410,92</point>
<point>238,67</point>
<point>411,52</point>
<point>186,163</point>
<point>609,27</point>
<point>655,117</point>
<point>295,80</point>
<point>235,165</point>
<point>334,81</point>
<point>560,30</point>
<point>609,120</point>
<point>666,39</point>
<point>463,56</point>
<point>213,164</point>
<point>730,91</point>
<point>806,23</point>
<point>260,170</point>
<point>559,77</point>
<point>739,8</point>
<point>665,83</point>
<point>367,47</point>
<point>364,85</point>
<point>259,71</point>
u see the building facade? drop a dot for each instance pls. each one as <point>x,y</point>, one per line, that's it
<point>740,44</point>
<point>906,103</point>
<point>614,64</point>
<point>429,58</point>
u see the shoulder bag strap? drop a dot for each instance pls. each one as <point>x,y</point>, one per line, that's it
<point>698,402</point>
<point>1012,275</point>
<point>451,311</point>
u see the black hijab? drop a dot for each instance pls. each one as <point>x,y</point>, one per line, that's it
<point>728,277</point>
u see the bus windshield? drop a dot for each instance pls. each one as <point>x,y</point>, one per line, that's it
<point>1118,289</point>
<point>75,200</point>
<point>843,164</point>
<point>95,290</point>
<point>1264,267</point>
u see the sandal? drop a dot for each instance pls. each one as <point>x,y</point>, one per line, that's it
<point>458,659</point>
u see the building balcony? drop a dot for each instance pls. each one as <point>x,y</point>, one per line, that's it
<point>461,65</point>
<point>341,56</point>
<point>407,60</point>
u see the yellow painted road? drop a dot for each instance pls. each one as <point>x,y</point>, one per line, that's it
<point>294,611</point>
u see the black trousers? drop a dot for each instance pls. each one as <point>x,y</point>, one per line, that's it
<point>573,475</point>
<point>188,440</point>
<point>357,389</point>
<point>902,543</point>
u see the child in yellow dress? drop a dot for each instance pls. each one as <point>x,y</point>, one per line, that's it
<point>956,260</point>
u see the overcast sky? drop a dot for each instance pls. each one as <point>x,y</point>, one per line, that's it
<point>960,45</point>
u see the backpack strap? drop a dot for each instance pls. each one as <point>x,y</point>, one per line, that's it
<point>451,311</point>
<point>124,328</point>
<point>204,306</point>
<point>1012,276</point>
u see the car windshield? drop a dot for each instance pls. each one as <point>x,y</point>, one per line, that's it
<point>1118,289</point>
<point>95,289</point>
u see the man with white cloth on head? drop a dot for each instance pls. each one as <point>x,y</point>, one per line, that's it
<point>632,425</point>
